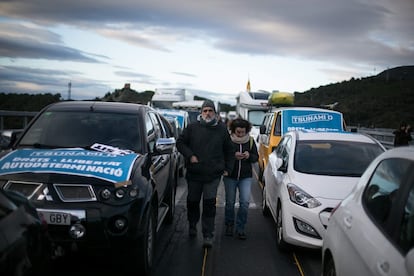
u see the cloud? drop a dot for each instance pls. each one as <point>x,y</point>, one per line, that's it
<point>349,36</point>
<point>18,41</point>
<point>319,29</point>
<point>39,81</point>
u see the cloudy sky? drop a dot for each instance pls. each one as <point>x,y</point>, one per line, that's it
<point>209,47</point>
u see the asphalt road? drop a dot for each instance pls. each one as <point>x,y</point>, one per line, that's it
<point>179,255</point>
<point>258,255</point>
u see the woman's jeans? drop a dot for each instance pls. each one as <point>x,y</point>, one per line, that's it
<point>231,186</point>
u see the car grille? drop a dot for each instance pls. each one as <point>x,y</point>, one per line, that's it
<point>75,192</point>
<point>28,189</point>
<point>66,192</point>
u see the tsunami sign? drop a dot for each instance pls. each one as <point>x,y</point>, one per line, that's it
<point>315,120</point>
<point>75,161</point>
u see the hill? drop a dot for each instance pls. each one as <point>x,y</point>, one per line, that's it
<point>381,101</point>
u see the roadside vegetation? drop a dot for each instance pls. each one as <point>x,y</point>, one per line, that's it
<point>380,101</point>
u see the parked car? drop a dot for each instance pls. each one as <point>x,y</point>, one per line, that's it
<point>181,116</point>
<point>371,232</point>
<point>307,175</point>
<point>179,119</point>
<point>281,120</point>
<point>101,174</point>
<point>24,244</point>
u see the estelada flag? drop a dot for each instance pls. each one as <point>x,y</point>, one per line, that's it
<point>248,86</point>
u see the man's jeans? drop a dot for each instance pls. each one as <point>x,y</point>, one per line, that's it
<point>231,185</point>
<point>208,190</point>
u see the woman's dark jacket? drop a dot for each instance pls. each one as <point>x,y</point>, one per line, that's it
<point>212,146</point>
<point>243,168</point>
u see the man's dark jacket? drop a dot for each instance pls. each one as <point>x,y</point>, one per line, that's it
<point>212,146</point>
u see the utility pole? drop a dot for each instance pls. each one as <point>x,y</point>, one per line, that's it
<point>69,88</point>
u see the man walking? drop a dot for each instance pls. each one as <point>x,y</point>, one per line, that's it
<point>209,154</point>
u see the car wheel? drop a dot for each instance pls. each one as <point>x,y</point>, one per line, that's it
<point>144,250</point>
<point>281,244</point>
<point>265,207</point>
<point>329,267</point>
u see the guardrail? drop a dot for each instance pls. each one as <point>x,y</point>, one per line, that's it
<point>25,115</point>
<point>384,135</point>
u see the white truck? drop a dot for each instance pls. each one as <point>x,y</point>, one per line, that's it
<point>192,107</point>
<point>165,97</point>
<point>252,106</point>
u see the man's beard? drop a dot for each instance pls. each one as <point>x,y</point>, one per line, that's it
<point>208,119</point>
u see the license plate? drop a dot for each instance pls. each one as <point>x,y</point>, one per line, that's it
<point>56,218</point>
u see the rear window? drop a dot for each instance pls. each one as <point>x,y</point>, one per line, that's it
<point>336,158</point>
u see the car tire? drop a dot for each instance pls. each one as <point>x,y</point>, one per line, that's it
<point>144,251</point>
<point>281,244</point>
<point>329,267</point>
<point>265,207</point>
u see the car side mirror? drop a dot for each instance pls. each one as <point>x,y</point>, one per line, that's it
<point>165,145</point>
<point>409,262</point>
<point>13,138</point>
<point>262,129</point>
<point>282,166</point>
<point>279,163</point>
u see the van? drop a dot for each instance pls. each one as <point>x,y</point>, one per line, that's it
<point>280,120</point>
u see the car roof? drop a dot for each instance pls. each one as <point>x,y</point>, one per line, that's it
<point>119,107</point>
<point>406,152</point>
<point>177,112</point>
<point>173,112</point>
<point>302,108</point>
<point>340,135</point>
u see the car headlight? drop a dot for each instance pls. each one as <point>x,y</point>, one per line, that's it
<point>302,198</point>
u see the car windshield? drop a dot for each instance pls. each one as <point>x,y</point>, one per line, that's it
<point>67,129</point>
<point>336,158</point>
<point>256,117</point>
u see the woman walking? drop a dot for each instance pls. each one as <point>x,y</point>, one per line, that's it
<point>240,178</point>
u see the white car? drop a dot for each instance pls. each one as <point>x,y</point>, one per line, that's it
<point>372,231</point>
<point>307,175</point>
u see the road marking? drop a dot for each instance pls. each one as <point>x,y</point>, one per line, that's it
<point>203,268</point>
<point>294,255</point>
<point>257,177</point>
<point>298,265</point>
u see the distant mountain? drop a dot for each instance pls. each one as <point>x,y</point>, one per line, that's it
<point>128,95</point>
<point>381,101</point>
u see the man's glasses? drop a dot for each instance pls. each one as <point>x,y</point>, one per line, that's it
<point>207,110</point>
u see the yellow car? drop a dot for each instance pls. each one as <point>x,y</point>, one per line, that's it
<point>284,119</point>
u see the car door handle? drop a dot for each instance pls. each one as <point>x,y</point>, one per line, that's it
<point>348,221</point>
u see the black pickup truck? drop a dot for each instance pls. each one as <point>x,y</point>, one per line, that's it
<point>102,175</point>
